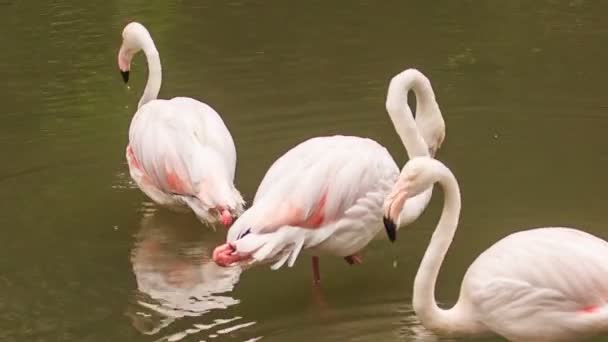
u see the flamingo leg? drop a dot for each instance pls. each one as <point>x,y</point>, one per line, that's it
<point>316,275</point>
<point>318,298</point>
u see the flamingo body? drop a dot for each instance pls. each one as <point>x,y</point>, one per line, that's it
<point>182,155</point>
<point>325,194</point>
<point>180,152</point>
<point>543,284</point>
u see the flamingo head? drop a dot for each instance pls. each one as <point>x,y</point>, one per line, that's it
<point>418,175</point>
<point>226,255</point>
<point>218,200</point>
<point>134,37</point>
<point>213,213</point>
<point>225,216</point>
<point>231,207</point>
<point>431,126</point>
<point>436,141</point>
<point>240,242</point>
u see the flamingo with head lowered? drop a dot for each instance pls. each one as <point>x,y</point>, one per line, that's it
<point>544,284</point>
<point>180,152</point>
<point>326,194</point>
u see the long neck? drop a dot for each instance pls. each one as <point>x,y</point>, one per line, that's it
<point>154,72</point>
<point>401,114</point>
<point>431,316</point>
<point>426,104</point>
<point>429,120</point>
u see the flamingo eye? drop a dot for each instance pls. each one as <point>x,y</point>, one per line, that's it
<point>243,234</point>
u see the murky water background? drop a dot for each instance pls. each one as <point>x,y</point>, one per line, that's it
<point>86,257</point>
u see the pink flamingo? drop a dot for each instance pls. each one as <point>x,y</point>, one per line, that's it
<point>180,152</point>
<point>326,194</point>
<point>544,284</point>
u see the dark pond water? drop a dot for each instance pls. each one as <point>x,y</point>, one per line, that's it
<point>86,257</point>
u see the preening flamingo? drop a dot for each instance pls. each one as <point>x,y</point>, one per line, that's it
<point>180,152</point>
<point>326,193</point>
<point>544,284</point>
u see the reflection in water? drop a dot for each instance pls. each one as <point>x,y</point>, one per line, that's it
<point>411,329</point>
<point>383,319</point>
<point>379,322</point>
<point>123,181</point>
<point>176,277</point>
<point>529,71</point>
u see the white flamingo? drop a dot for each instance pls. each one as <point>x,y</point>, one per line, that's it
<point>180,152</point>
<point>326,194</point>
<point>544,284</point>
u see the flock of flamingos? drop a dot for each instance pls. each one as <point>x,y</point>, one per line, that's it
<point>332,195</point>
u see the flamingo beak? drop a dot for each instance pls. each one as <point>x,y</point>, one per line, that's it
<point>393,211</point>
<point>391,228</point>
<point>125,76</point>
<point>124,62</point>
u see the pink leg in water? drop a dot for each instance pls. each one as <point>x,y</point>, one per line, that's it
<point>316,275</point>
<point>318,298</point>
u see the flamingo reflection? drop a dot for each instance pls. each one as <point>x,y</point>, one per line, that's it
<point>175,274</point>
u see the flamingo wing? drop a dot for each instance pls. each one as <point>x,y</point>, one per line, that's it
<point>320,185</point>
<point>299,159</point>
<point>317,181</point>
<point>180,144</point>
<point>514,308</point>
<point>546,281</point>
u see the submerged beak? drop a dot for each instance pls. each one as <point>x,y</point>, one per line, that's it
<point>125,76</point>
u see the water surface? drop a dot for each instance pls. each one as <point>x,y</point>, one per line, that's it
<point>86,257</point>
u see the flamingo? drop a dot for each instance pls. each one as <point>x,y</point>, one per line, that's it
<point>543,284</point>
<point>326,193</point>
<point>180,152</point>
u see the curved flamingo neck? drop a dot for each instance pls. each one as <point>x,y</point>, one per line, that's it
<point>154,71</point>
<point>432,317</point>
<point>401,114</point>
<point>429,120</point>
<point>425,96</point>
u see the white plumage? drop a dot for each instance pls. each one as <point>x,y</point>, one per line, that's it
<point>328,200</point>
<point>180,152</point>
<point>544,284</point>
<point>326,194</point>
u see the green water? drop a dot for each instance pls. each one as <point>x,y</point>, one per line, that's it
<point>86,257</point>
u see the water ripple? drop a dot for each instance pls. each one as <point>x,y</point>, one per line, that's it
<point>176,279</point>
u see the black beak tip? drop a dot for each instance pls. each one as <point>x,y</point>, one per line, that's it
<point>125,76</point>
<point>391,228</point>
